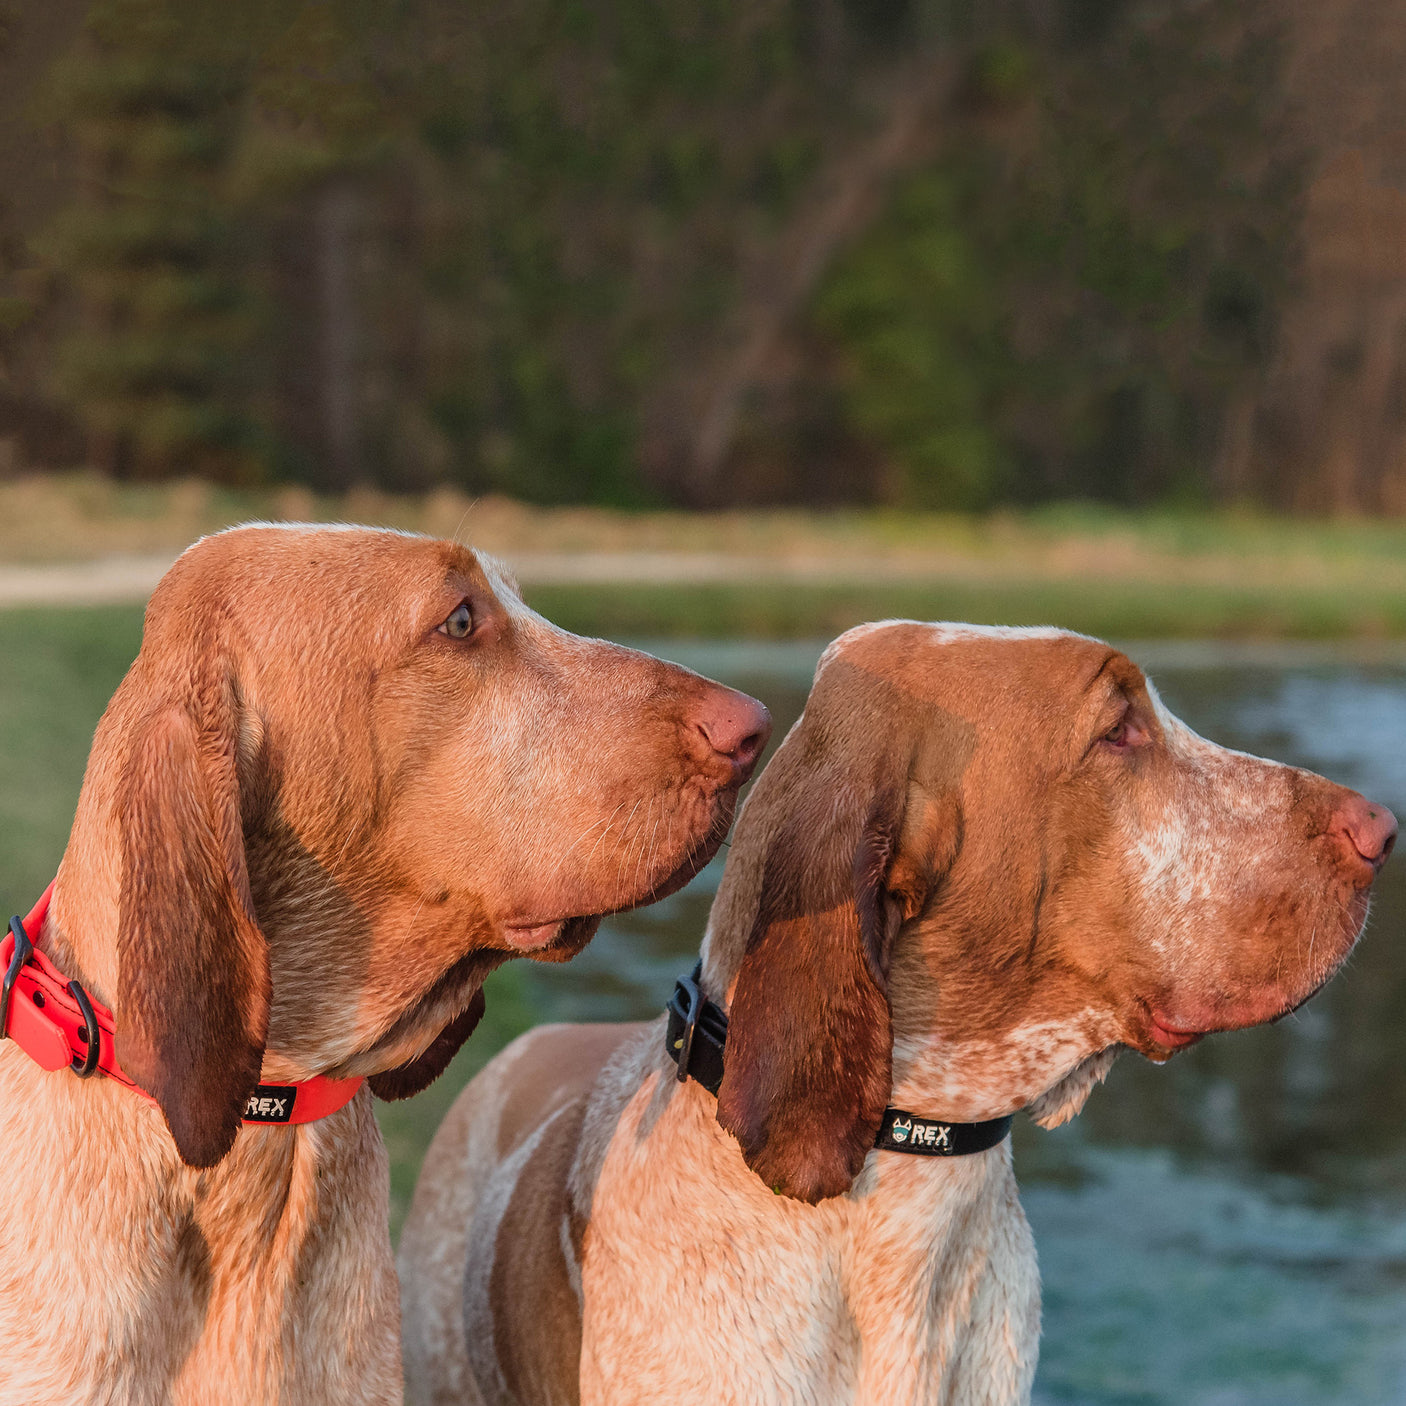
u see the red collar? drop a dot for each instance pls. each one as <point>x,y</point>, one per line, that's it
<point>44,1014</point>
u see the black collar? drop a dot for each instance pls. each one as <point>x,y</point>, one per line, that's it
<point>697,1037</point>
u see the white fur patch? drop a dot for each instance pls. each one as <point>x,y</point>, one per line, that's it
<point>970,1081</point>
<point>945,632</point>
<point>1058,1104</point>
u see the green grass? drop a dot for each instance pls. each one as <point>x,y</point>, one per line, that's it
<point>1107,571</point>
<point>59,669</point>
<point>78,516</point>
<point>1105,607</point>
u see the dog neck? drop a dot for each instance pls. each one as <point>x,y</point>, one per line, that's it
<point>189,1276</point>
<point>981,1045</point>
<point>198,1299</point>
<point>874,1286</point>
<point>228,1256</point>
<point>930,1235</point>
<point>959,1052</point>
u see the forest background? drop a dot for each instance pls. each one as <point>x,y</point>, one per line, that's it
<point>686,253</point>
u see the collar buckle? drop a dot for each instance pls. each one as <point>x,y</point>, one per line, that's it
<point>19,957</point>
<point>696,1032</point>
<point>90,1036</point>
<point>689,1009</point>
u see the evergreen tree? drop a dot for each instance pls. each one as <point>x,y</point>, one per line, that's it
<point>154,258</point>
<point>668,249</point>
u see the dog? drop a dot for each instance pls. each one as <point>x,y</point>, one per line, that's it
<point>981,863</point>
<point>348,774</point>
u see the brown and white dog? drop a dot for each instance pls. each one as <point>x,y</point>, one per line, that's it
<point>981,862</point>
<point>348,774</point>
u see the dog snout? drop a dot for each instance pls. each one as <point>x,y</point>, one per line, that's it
<point>1367,832</point>
<point>734,726</point>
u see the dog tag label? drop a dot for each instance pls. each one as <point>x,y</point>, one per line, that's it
<point>900,1131</point>
<point>270,1103</point>
<point>930,1137</point>
<point>903,1132</point>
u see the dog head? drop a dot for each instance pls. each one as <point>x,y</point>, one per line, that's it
<point>349,773</point>
<point>983,858</point>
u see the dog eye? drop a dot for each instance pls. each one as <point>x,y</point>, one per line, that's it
<point>460,624</point>
<point>1125,733</point>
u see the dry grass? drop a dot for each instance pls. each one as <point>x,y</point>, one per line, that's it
<point>70,517</point>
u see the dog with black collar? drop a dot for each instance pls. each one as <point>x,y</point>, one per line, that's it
<point>981,863</point>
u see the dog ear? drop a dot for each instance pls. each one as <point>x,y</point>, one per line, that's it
<point>853,849</point>
<point>193,983</point>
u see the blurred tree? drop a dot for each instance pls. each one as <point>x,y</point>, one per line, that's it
<point>32,422</point>
<point>676,250</point>
<point>312,175</point>
<point>351,239</point>
<point>601,180</point>
<point>917,312</point>
<point>213,252</point>
<point>154,359</point>
<point>1067,299</point>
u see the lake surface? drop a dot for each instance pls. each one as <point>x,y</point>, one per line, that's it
<point>1225,1230</point>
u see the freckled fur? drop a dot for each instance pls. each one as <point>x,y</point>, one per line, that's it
<point>942,851</point>
<point>307,820</point>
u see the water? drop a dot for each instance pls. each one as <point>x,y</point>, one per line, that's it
<point>1227,1230</point>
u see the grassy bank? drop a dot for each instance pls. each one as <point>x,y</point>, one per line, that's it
<point>57,670</point>
<point>1130,610</point>
<point>792,574</point>
<point>75,516</point>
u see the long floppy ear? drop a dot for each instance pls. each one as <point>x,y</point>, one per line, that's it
<point>849,855</point>
<point>193,983</point>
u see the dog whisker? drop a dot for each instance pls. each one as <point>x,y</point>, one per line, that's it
<point>570,849</point>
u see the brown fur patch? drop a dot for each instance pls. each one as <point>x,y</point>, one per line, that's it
<point>536,1316</point>
<point>194,987</point>
<point>420,1073</point>
<point>809,1061</point>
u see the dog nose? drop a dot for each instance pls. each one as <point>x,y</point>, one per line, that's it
<point>1370,829</point>
<point>735,726</point>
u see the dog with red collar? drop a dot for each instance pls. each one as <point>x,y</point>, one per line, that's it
<point>349,773</point>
